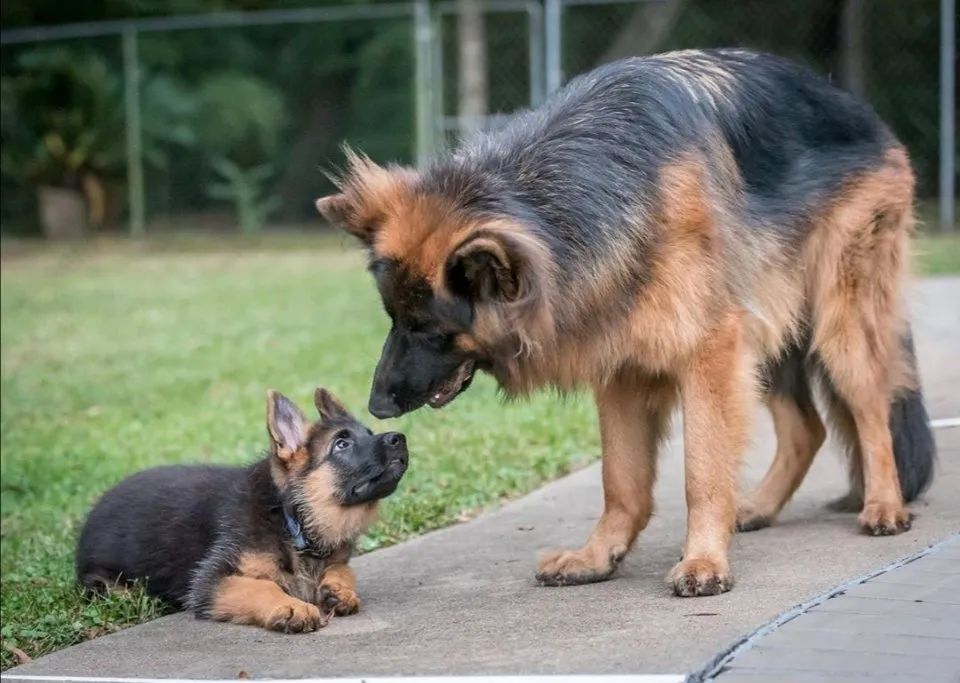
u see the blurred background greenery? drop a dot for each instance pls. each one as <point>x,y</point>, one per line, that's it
<point>238,121</point>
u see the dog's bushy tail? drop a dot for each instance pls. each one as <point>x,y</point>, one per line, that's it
<point>913,445</point>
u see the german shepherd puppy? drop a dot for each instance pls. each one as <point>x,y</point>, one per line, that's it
<point>687,227</point>
<point>266,544</point>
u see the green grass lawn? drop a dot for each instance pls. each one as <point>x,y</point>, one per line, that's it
<point>117,358</point>
<point>937,254</point>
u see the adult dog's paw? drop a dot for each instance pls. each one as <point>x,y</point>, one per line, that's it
<point>699,576</point>
<point>574,567</point>
<point>884,519</point>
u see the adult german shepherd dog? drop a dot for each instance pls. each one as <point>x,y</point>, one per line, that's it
<point>691,227</point>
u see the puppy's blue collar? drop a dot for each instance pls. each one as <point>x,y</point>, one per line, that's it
<point>298,537</point>
<point>295,529</point>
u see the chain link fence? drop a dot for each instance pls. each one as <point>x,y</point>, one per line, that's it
<point>228,119</point>
<point>884,50</point>
<point>198,122</point>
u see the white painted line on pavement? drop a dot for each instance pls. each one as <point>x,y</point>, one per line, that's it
<point>945,423</point>
<point>613,678</point>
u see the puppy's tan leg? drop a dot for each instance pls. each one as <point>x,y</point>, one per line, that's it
<point>245,600</point>
<point>633,416</point>
<point>715,388</point>
<point>339,590</point>
<point>800,433</point>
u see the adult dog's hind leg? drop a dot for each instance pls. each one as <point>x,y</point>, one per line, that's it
<point>716,389</point>
<point>800,433</point>
<point>844,427</point>
<point>634,413</point>
<point>857,326</point>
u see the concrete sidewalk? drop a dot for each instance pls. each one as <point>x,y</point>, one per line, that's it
<point>463,600</point>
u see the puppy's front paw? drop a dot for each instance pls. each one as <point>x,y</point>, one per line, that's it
<point>296,617</point>
<point>339,599</point>
<point>699,576</point>
<point>574,567</point>
<point>884,519</point>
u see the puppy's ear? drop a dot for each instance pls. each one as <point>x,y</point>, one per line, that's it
<point>286,425</point>
<point>484,269</point>
<point>329,407</point>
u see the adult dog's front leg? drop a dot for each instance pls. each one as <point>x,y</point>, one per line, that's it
<point>715,387</point>
<point>633,416</point>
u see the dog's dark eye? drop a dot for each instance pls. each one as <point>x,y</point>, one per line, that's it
<point>341,444</point>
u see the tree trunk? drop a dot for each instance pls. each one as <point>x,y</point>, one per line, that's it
<point>313,151</point>
<point>472,89</point>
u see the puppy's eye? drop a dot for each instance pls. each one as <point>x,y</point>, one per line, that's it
<point>341,445</point>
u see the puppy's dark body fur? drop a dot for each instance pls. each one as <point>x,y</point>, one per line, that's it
<point>664,230</point>
<point>181,529</point>
<point>189,533</point>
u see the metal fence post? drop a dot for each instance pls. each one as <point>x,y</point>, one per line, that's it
<point>131,96</point>
<point>423,37</point>
<point>438,79</point>
<point>948,55</point>
<point>538,86</point>
<point>553,28</point>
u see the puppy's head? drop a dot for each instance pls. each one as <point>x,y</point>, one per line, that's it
<point>335,469</point>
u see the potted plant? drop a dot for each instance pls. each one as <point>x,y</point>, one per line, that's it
<point>62,134</point>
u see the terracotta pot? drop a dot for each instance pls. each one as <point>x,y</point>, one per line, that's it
<point>63,212</point>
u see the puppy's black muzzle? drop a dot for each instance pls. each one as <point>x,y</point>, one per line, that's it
<point>381,478</point>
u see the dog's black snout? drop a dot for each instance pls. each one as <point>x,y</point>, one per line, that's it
<point>382,405</point>
<point>394,439</point>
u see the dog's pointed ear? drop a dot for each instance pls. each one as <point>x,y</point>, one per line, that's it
<point>483,269</point>
<point>338,210</point>
<point>286,425</point>
<point>329,406</point>
<point>334,208</point>
<point>368,193</point>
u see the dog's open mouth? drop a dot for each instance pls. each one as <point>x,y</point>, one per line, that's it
<point>450,388</point>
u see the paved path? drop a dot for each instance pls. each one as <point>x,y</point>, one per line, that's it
<point>902,624</point>
<point>463,600</point>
